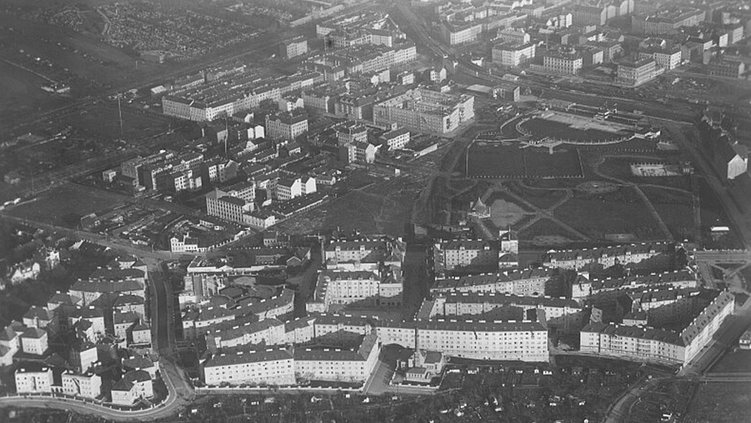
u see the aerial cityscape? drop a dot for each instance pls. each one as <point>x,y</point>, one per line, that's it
<point>375,211</point>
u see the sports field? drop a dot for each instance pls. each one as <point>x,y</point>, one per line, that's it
<point>497,161</point>
<point>543,128</point>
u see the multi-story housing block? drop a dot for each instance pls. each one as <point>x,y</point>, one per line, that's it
<point>32,379</point>
<point>677,279</point>
<point>525,282</point>
<point>513,54</point>
<point>87,385</point>
<point>645,343</point>
<point>449,255</point>
<point>633,73</point>
<point>396,139</point>
<point>606,256</point>
<point>334,364</point>
<point>666,21</point>
<point>295,47</point>
<point>286,125</point>
<point>265,367</point>
<point>423,110</point>
<point>563,63</point>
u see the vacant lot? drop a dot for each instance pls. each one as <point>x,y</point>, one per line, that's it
<point>62,206</point>
<point>384,207</point>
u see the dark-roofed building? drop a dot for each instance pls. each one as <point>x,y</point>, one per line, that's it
<point>134,385</point>
<point>449,255</point>
<point>272,366</point>
<point>338,364</point>
<point>456,303</point>
<point>525,282</point>
<point>606,256</point>
<point>646,343</point>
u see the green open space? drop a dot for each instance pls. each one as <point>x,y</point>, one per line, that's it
<point>720,403</point>
<point>619,212</point>
<point>675,209</point>
<point>496,160</point>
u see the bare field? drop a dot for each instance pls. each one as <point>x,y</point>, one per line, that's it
<point>62,206</point>
<point>386,210</point>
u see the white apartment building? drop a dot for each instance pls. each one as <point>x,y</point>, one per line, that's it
<point>513,54</point>
<point>286,126</point>
<point>10,342</point>
<point>396,139</point>
<point>525,282</point>
<point>477,339</point>
<point>338,364</point>
<point>295,47</point>
<point>513,36</point>
<point>424,110</point>
<point>633,73</point>
<point>645,343</point>
<point>677,279</point>
<point>299,330</point>
<point>288,188</point>
<point>451,254</point>
<point>474,303</point>
<point>664,58</point>
<point>566,64</point>
<point>269,331</point>
<point>224,206</point>
<point>33,380</point>
<point>455,34</point>
<point>607,256</point>
<point>87,385</point>
<point>361,254</point>
<point>265,367</point>
<point>134,385</point>
<point>34,341</point>
<point>343,287</point>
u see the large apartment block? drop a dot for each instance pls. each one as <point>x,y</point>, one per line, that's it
<point>423,110</point>
<point>646,343</point>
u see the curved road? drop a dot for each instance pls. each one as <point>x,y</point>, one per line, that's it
<point>180,392</point>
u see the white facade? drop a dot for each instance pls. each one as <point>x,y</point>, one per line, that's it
<point>513,55</point>
<point>34,341</point>
<point>266,367</point>
<point>87,386</point>
<point>644,343</point>
<point>563,64</point>
<point>33,381</point>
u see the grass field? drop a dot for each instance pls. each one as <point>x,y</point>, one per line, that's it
<point>720,403</point>
<point>619,212</point>
<point>738,361</point>
<point>547,233</point>
<point>494,160</point>
<point>674,208</point>
<point>542,198</point>
<point>62,206</point>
